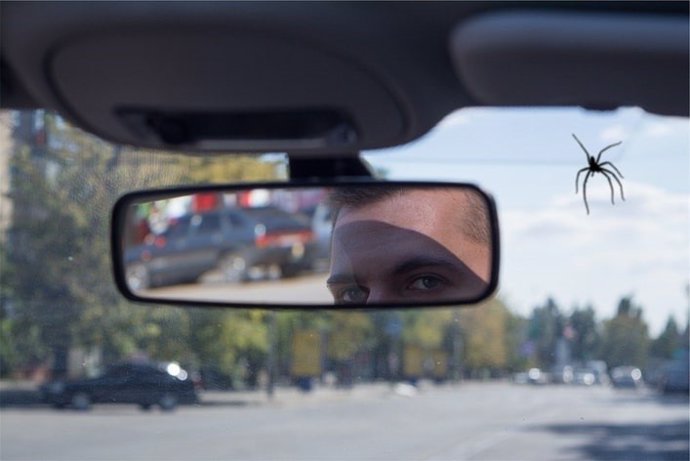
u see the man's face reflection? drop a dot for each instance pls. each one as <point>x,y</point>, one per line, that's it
<point>412,247</point>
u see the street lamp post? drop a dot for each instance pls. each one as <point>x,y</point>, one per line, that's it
<point>271,362</point>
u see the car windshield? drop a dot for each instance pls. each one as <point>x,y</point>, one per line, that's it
<point>177,228</point>
<point>582,353</point>
<point>274,218</point>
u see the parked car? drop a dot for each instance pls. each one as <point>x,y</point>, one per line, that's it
<point>675,376</point>
<point>242,243</point>
<point>626,377</point>
<point>600,371</point>
<point>536,376</point>
<point>143,384</point>
<point>584,377</point>
<point>562,374</point>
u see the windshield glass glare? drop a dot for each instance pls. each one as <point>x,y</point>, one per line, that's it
<point>582,354</point>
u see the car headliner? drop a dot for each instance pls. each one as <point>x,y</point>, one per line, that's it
<point>393,69</point>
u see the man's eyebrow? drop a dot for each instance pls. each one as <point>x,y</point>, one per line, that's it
<point>418,262</point>
<point>408,265</point>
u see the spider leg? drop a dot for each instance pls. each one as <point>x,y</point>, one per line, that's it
<point>614,167</point>
<point>577,176</point>
<point>607,148</point>
<point>584,190</point>
<point>610,185</point>
<point>617,180</point>
<point>583,147</point>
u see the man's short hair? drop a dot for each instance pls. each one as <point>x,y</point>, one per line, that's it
<point>475,218</point>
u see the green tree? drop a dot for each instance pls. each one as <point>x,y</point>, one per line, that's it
<point>586,336</point>
<point>426,328</point>
<point>516,335</point>
<point>625,338</point>
<point>484,332</point>
<point>225,169</point>
<point>56,272</point>
<point>544,329</point>
<point>349,333</point>
<point>232,342</point>
<point>667,342</point>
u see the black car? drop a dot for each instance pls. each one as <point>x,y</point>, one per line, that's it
<point>238,242</point>
<point>144,384</point>
<point>626,377</point>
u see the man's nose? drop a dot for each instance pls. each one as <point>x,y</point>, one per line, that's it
<point>378,296</point>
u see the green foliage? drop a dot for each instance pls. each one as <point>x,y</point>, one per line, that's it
<point>516,332</point>
<point>20,345</point>
<point>484,329</point>
<point>426,328</point>
<point>625,339</point>
<point>57,272</point>
<point>349,332</point>
<point>219,339</point>
<point>586,339</point>
<point>544,329</point>
<point>218,169</point>
<point>668,341</point>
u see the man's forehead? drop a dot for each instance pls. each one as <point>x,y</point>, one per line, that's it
<point>421,209</point>
<point>374,249</point>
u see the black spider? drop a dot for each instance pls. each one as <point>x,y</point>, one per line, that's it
<point>595,167</point>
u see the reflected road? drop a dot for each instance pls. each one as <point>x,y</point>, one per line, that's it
<point>308,289</point>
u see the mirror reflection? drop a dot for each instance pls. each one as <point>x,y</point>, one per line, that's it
<point>400,245</point>
<point>355,245</point>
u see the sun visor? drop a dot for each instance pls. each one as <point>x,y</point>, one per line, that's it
<point>595,60</point>
<point>223,91</point>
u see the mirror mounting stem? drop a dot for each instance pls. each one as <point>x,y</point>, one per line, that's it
<point>348,165</point>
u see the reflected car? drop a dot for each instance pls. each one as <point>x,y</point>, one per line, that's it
<point>241,243</point>
<point>143,384</point>
<point>322,224</point>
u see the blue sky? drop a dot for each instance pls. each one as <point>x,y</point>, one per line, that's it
<point>528,159</point>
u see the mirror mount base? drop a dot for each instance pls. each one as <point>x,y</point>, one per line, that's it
<point>318,168</point>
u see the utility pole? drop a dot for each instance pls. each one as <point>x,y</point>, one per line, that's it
<point>271,362</point>
<point>457,347</point>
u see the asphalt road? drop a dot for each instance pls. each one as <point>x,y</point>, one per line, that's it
<point>308,288</point>
<point>470,421</point>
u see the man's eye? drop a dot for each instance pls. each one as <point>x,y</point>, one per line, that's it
<point>352,295</point>
<point>426,282</point>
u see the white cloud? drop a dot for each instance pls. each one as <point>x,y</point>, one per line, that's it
<point>657,129</point>
<point>657,126</point>
<point>639,246</point>
<point>614,133</point>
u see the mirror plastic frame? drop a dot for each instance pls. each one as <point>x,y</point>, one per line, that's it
<point>120,210</point>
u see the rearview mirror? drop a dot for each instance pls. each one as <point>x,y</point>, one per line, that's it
<point>358,244</point>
